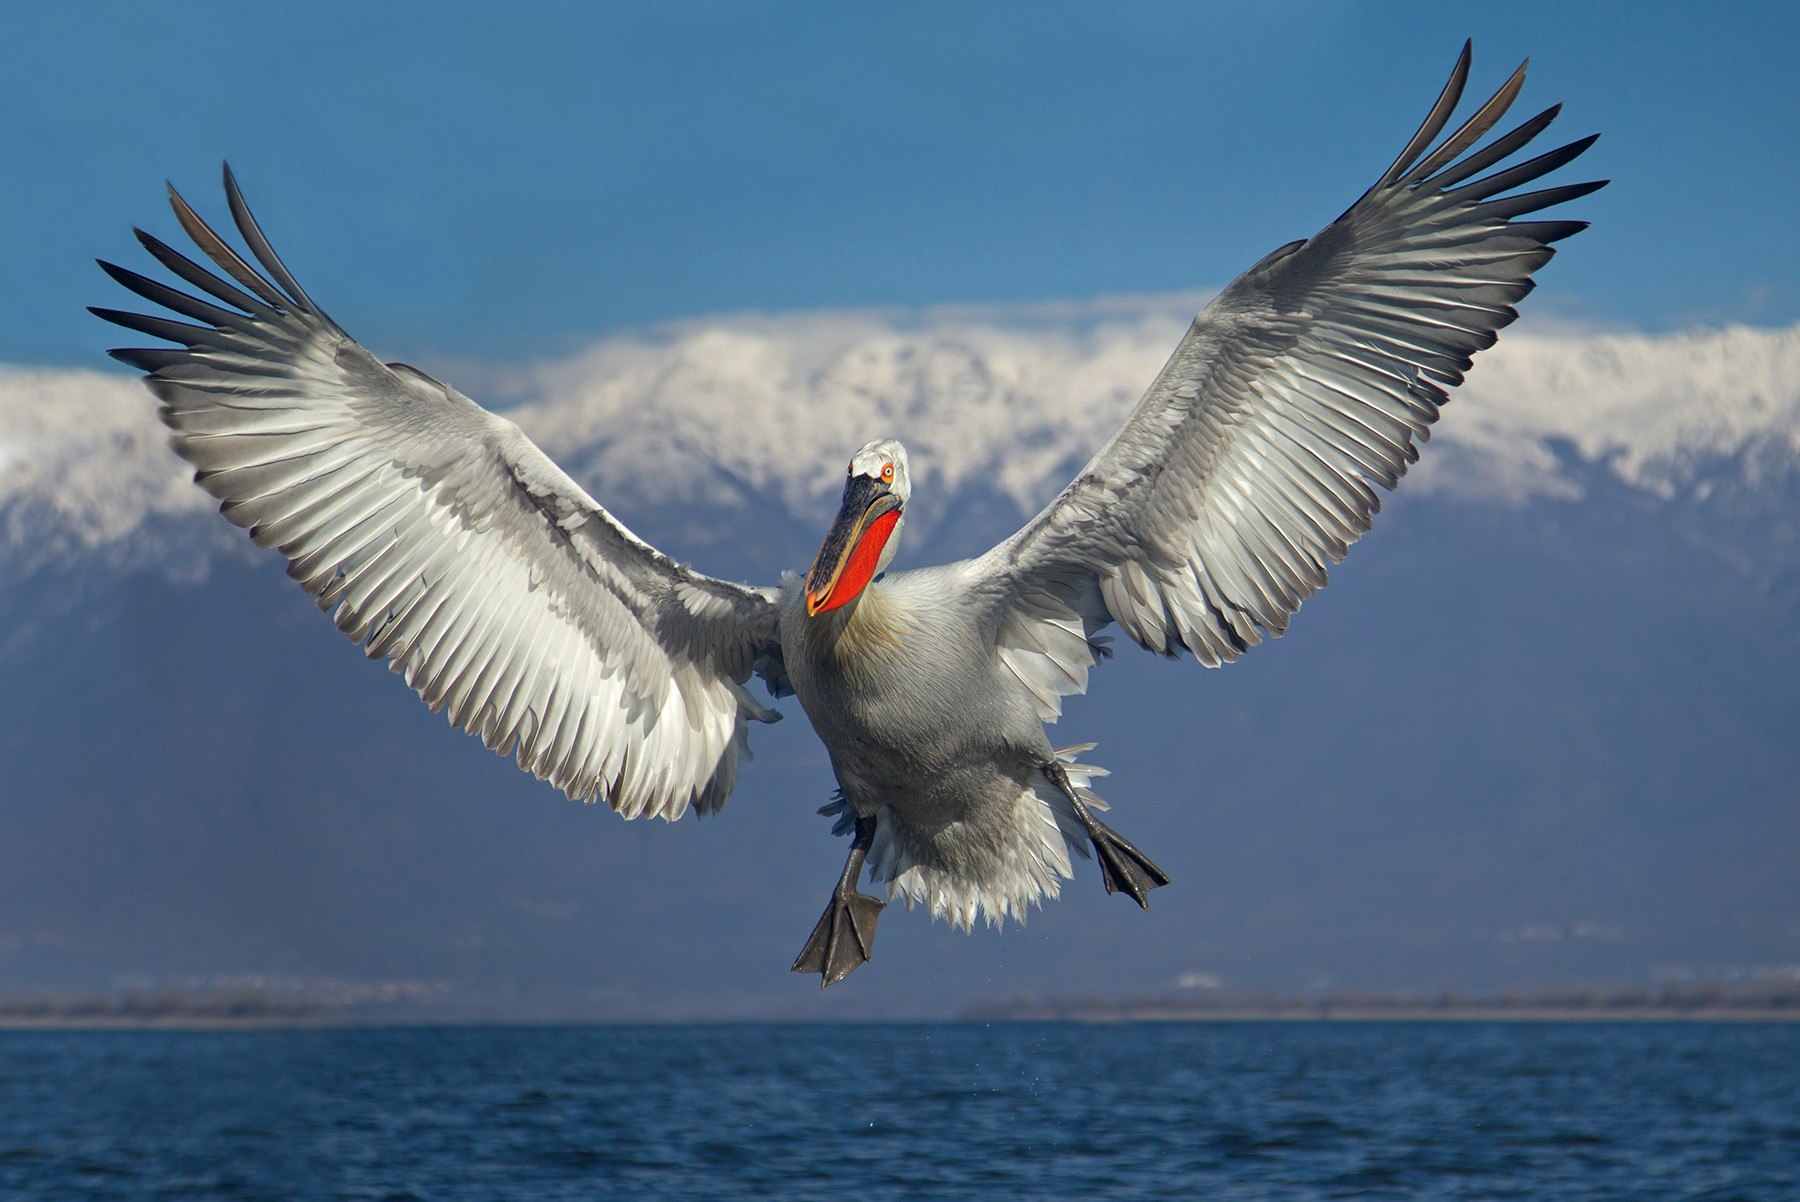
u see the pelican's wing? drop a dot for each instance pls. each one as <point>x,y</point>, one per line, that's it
<point>1251,463</point>
<point>442,539</point>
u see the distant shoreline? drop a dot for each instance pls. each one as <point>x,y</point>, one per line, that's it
<point>1710,1002</point>
<point>195,1022</point>
<point>1420,1014</point>
<point>260,1010</point>
<point>1121,1016</point>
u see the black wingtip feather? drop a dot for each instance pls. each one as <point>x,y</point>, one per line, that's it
<point>265,253</point>
<point>201,278</point>
<point>1436,119</point>
<point>1500,148</point>
<point>1523,173</point>
<point>221,253</point>
<point>1520,204</point>
<point>148,359</point>
<point>1547,232</point>
<point>132,281</point>
<point>159,327</point>
<point>1485,117</point>
<point>180,302</point>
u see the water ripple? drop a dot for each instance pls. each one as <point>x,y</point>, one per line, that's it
<point>1490,1111</point>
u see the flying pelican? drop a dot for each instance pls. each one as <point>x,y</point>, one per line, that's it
<point>442,540</point>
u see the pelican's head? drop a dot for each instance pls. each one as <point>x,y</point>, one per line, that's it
<point>866,533</point>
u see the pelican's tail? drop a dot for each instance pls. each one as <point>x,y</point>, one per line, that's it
<point>994,865</point>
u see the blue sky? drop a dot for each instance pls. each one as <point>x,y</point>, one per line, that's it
<point>451,180</point>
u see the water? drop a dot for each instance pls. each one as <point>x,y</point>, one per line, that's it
<point>1303,1111</point>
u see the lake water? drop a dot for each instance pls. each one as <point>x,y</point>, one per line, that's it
<point>1217,1111</point>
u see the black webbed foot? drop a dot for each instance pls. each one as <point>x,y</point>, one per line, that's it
<point>840,944</point>
<point>1123,868</point>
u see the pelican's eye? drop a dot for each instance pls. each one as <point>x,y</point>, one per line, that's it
<point>887,473</point>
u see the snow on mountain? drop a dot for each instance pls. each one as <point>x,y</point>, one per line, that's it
<point>1649,408</point>
<point>86,473</point>
<point>1008,401</point>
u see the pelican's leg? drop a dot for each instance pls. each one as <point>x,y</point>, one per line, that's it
<point>1123,868</point>
<point>839,945</point>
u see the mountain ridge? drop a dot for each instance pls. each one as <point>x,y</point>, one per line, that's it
<point>1009,402</point>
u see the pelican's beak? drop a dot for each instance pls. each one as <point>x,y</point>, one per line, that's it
<point>852,551</point>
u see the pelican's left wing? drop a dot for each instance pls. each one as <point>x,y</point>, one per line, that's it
<point>443,540</point>
<point>1251,463</point>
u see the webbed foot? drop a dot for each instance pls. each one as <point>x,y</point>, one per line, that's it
<point>1123,868</point>
<point>840,944</point>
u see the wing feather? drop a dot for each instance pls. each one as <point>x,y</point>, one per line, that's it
<point>1251,464</point>
<point>441,539</point>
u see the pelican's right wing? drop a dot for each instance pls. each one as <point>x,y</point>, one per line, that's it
<point>1252,462</point>
<point>445,541</point>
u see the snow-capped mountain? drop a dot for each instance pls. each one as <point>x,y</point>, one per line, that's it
<point>1554,692</point>
<point>1004,403</point>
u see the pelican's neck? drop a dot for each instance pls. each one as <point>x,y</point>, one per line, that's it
<point>863,630</point>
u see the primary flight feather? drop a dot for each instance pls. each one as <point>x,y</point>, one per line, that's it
<point>442,540</point>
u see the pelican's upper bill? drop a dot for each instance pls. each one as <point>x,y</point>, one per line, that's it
<point>864,537</point>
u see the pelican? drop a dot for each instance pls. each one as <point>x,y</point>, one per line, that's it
<point>441,540</point>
